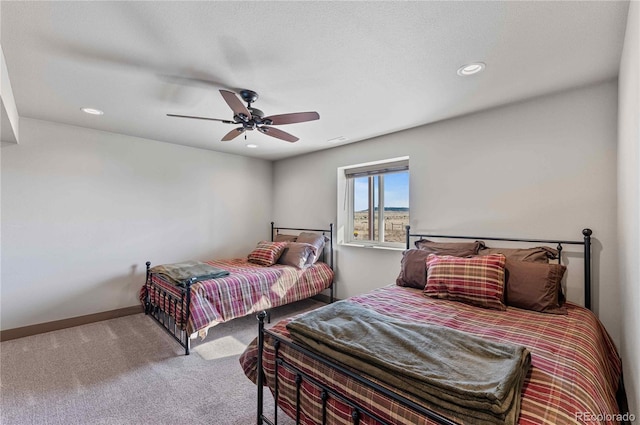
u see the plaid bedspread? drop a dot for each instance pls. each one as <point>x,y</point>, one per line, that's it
<point>573,377</point>
<point>249,288</point>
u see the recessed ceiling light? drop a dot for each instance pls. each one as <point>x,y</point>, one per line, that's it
<point>338,139</point>
<point>470,69</point>
<point>251,146</point>
<point>92,111</point>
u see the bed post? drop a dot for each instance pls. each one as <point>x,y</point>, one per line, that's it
<point>331,243</point>
<point>260,377</point>
<point>331,258</point>
<point>559,248</point>
<point>272,231</point>
<point>147,297</point>
<point>587,267</point>
<point>407,227</point>
<point>187,342</point>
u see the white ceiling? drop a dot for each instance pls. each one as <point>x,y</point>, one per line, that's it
<point>368,68</point>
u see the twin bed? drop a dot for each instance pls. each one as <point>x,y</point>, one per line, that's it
<point>574,375</point>
<point>251,285</point>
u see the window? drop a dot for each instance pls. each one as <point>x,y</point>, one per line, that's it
<point>375,207</point>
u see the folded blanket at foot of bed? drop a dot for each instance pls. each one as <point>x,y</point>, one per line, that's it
<point>459,375</point>
<point>189,271</point>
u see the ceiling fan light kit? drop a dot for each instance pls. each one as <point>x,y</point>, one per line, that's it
<point>250,118</point>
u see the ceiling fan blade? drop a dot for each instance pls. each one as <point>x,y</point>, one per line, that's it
<point>201,118</point>
<point>233,134</point>
<point>278,134</point>
<point>235,103</point>
<point>292,118</point>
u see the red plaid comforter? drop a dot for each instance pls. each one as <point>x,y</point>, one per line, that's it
<point>573,378</point>
<point>249,288</point>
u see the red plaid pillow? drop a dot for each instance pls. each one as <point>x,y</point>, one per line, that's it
<point>474,280</point>
<point>267,253</point>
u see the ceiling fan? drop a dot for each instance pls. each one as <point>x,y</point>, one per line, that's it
<point>250,118</point>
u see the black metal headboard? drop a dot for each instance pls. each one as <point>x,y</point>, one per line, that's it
<point>586,243</point>
<point>325,232</point>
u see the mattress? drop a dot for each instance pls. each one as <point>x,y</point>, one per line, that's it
<point>573,379</point>
<point>249,288</point>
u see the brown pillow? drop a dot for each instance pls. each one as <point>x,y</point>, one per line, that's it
<point>297,254</point>
<point>539,254</point>
<point>285,238</point>
<point>456,249</point>
<point>413,269</point>
<point>535,286</point>
<point>315,239</point>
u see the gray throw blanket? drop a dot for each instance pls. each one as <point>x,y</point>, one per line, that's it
<point>182,273</point>
<point>461,376</point>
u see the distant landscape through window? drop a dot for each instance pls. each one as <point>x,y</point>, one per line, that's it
<point>369,200</point>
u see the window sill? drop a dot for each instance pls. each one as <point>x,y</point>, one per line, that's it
<point>381,247</point>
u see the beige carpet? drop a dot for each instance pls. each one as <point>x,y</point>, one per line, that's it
<point>129,371</point>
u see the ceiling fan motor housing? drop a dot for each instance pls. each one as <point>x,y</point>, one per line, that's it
<point>255,112</point>
<point>249,125</point>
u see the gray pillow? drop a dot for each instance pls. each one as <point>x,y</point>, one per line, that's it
<point>297,254</point>
<point>315,239</point>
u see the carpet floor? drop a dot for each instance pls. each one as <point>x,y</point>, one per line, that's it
<point>130,371</point>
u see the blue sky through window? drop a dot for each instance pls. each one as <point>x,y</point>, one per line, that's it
<point>396,191</point>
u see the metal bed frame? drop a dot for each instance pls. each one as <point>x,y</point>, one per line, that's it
<point>358,411</point>
<point>323,232</point>
<point>164,310</point>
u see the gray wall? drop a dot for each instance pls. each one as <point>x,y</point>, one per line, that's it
<point>542,168</point>
<point>82,211</point>
<point>628,206</point>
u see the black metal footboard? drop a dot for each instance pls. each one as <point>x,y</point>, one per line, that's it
<point>325,391</point>
<point>166,307</point>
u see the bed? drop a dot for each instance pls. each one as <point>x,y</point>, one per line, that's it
<point>193,306</point>
<point>574,377</point>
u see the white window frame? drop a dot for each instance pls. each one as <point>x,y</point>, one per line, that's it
<point>346,196</point>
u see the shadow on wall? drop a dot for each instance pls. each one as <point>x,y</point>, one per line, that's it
<point>596,251</point>
<point>574,261</point>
